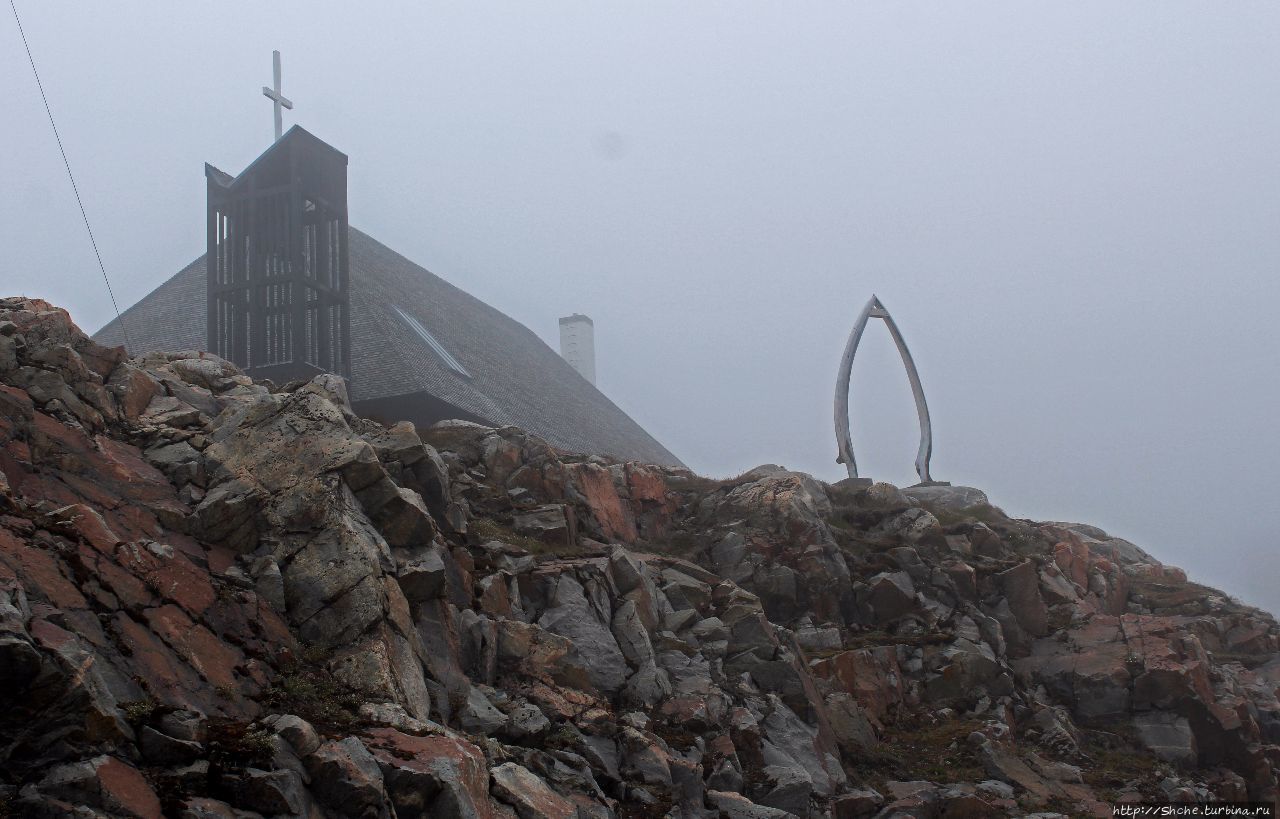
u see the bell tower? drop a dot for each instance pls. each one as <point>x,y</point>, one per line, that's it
<point>278,268</point>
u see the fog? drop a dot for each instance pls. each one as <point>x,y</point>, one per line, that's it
<point>1071,210</point>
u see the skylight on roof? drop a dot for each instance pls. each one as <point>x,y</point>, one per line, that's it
<point>445,356</point>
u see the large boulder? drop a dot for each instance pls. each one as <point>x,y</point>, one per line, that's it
<point>573,617</point>
<point>431,775</point>
<point>104,782</point>
<point>528,794</point>
<point>890,595</point>
<point>346,777</point>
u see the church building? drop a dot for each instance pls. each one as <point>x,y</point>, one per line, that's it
<point>287,289</point>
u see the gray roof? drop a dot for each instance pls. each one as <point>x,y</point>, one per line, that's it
<point>513,377</point>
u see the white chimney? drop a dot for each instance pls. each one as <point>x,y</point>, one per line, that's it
<point>578,344</point>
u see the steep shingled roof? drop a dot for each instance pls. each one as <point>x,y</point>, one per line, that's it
<point>512,376</point>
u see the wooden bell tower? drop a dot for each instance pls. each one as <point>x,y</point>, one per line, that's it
<point>278,269</point>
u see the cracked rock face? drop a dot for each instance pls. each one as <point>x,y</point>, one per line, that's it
<point>225,599</point>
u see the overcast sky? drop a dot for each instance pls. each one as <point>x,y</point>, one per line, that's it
<point>1071,209</point>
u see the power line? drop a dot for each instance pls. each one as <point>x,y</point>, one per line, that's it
<point>76,188</point>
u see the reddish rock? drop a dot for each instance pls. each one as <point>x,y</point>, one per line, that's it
<point>133,390</point>
<point>595,484</point>
<point>501,456</point>
<point>125,463</point>
<point>872,676</point>
<point>130,591</point>
<point>172,681</point>
<point>431,775</point>
<point>125,790</point>
<point>652,504</point>
<point>692,712</point>
<point>105,782</point>
<point>532,650</point>
<point>50,636</point>
<point>89,526</point>
<point>214,659</point>
<point>566,703</point>
<point>646,484</point>
<point>41,573</point>
<point>495,597</point>
<point>1073,560</point>
<point>177,580</point>
<point>529,795</point>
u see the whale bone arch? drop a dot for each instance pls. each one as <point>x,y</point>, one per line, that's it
<point>876,309</point>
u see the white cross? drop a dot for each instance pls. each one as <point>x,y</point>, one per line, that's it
<point>275,96</point>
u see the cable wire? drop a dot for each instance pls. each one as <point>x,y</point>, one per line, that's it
<point>74,187</point>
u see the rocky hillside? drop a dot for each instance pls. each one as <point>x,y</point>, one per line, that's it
<point>228,599</point>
